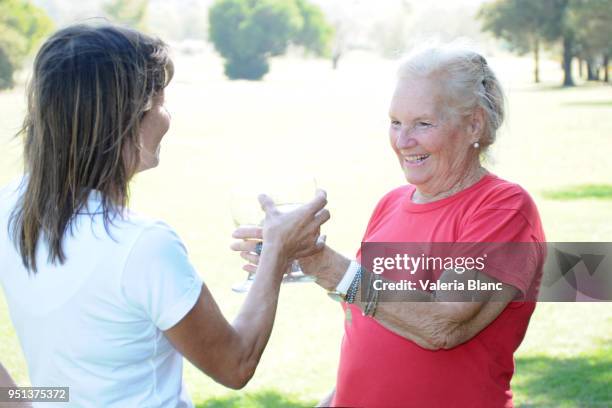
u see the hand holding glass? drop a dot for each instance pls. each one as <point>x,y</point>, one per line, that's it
<point>288,194</point>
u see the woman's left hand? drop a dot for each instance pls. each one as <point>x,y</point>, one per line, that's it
<point>249,245</point>
<point>250,238</point>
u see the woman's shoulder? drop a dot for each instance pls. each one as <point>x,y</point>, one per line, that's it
<point>156,232</point>
<point>121,227</point>
<point>501,200</point>
<point>498,193</point>
<point>147,231</point>
<point>501,211</point>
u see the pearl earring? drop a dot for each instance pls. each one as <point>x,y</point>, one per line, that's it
<point>476,145</point>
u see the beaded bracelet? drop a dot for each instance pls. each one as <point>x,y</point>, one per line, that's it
<point>372,296</point>
<point>352,292</point>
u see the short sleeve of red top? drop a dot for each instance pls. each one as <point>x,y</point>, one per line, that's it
<point>379,368</point>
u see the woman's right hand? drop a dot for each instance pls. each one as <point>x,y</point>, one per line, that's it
<point>293,234</point>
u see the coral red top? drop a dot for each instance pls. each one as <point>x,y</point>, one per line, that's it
<point>379,368</point>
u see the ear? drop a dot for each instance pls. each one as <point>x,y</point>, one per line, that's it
<point>476,124</point>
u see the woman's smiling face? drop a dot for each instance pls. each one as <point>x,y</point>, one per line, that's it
<point>433,149</point>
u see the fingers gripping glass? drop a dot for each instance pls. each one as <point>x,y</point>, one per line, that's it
<point>288,193</point>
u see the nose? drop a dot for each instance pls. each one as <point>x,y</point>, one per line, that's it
<point>404,139</point>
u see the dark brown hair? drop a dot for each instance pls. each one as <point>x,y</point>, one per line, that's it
<point>90,88</point>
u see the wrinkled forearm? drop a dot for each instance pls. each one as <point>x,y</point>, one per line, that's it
<point>429,324</point>
<point>414,315</point>
<point>327,266</point>
<point>425,318</point>
<point>435,322</point>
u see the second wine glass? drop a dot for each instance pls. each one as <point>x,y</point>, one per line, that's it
<point>288,191</point>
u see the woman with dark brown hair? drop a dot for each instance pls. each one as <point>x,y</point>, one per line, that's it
<point>105,301</point>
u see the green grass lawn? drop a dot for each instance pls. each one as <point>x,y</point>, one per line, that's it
<point>603,191</point>
<point>333,125</point>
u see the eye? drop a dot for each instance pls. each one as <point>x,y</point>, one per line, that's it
<point>395,124</point>
<point>422,124</point>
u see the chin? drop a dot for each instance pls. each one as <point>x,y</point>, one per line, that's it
<point>148,164</point>
<point>414,179</point>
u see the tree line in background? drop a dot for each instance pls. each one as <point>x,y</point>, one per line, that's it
<point>132,13</point>
<point>248,32</point>
<point>22,26</point>
<point>582,29</point>
<point>245,32</point>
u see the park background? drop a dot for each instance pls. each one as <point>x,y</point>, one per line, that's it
<point>332,123</point>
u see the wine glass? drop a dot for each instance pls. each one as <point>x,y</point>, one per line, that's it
<point>288,191</point>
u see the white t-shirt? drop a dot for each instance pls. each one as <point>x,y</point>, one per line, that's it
<point>95,324</point>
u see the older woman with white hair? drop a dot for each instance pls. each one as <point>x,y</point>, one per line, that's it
<point>445,112</point>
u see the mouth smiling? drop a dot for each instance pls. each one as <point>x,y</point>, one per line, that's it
<point>415,159</point>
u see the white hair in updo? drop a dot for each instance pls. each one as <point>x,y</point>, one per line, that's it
<point>466,81</point>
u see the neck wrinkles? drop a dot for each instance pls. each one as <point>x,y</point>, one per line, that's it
<point>467,180</point>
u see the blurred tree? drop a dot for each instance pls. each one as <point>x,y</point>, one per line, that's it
<point>592,22</point>
<point>6,70</point>
<point>22,26</point>
<point>525,25</point>
<point>564,31</point>
<point>132,13</point>
<point>247,32</point>
<point>315,35</point>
